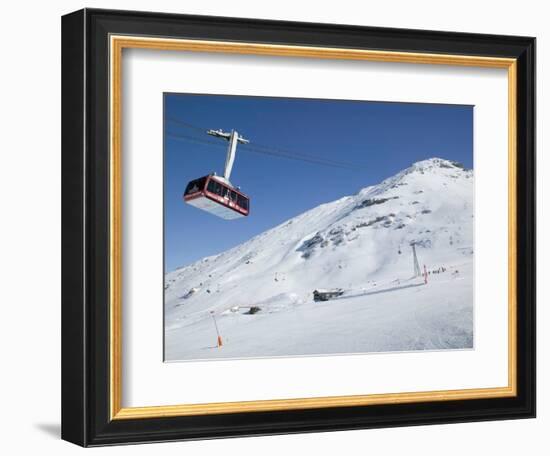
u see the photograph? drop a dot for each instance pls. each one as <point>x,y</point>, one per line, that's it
<point>310,227</point>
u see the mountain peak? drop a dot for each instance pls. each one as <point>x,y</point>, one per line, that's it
<point>436,162</point>
<point>442,167</point>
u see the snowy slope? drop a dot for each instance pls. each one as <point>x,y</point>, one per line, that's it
<point>360,243</point>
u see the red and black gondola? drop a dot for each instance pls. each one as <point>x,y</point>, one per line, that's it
<point>212,194</point>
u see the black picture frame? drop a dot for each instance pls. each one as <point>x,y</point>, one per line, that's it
<point>85,224</point>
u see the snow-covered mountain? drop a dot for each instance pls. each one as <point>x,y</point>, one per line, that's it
<point>261,291</point>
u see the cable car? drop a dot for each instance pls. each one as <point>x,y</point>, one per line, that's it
<point>212,194</point>
<point>215,194</point>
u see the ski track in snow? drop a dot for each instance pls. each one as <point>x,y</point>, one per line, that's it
<point>359,243</point>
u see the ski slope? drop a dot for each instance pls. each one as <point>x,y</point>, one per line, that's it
<point>359,243</point>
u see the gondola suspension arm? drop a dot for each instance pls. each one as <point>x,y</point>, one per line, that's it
<point>233,138</point>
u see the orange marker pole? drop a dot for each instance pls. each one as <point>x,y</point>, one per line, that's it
<point>220,343</point>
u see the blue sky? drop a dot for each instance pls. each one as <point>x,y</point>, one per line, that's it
<point>378,138</point>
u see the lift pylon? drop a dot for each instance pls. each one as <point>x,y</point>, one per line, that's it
<point>417,272</point>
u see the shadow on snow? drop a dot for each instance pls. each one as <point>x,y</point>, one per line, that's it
<point>374,292</point>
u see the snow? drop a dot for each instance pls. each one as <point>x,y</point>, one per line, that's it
<point>359,243</point>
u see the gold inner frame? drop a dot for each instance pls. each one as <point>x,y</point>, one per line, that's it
<point>117,44</point>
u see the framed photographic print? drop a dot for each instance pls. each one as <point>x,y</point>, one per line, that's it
<point>277,227</point>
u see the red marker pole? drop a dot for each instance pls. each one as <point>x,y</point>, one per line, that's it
<point>220,343</point>
<point>425,276</point>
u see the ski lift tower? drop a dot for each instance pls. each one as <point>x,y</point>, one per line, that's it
<point>417,272</point>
